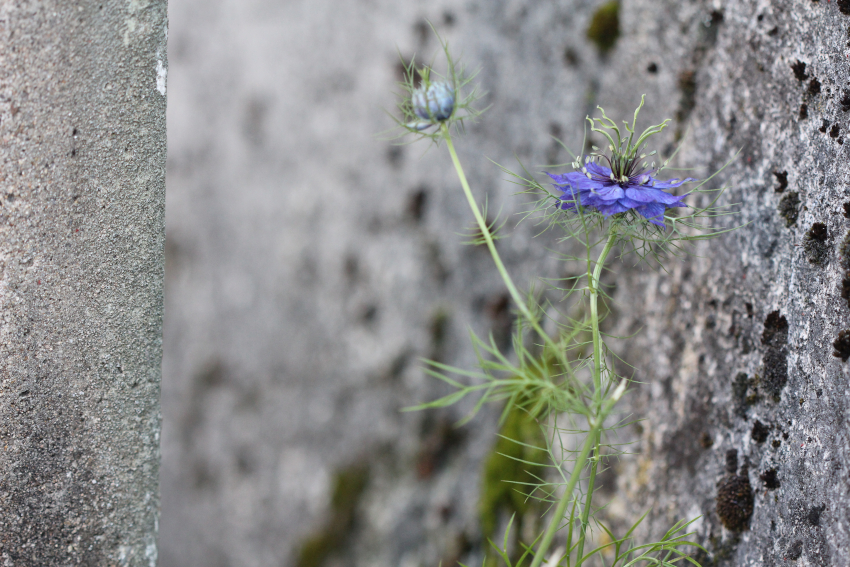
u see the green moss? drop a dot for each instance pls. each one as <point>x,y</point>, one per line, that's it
<point>745,393</point>
<point>605,26</point>
<point>521,439</point>
<point>789,207</point>
<point>815,244</point>
<point>349,484</point>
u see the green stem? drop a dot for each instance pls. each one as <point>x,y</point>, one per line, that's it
<point>491,245</point>
<point>589,443</point>
<point>585,513</point>
<point>593,277</point>
<point>593,283</point>
<point>558,515</point>
<point>593,438</point>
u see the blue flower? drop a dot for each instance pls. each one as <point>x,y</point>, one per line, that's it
<point>617,189</point>
<point>432,103</point>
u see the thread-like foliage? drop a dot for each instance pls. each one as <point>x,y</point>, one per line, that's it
<point>565,380</point>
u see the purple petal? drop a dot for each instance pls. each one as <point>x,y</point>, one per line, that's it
<point>654,212</point>
<point>595,169</point>
<point>610,192</point>
<point>612,208</point>
<point>646,194</point>
<point>670,183</point>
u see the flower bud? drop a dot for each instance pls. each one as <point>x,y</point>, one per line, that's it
<point>435,102</point>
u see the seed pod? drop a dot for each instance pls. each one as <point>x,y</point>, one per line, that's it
<point>434,103</point>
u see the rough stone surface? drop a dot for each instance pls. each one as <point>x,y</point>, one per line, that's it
<point>82,196</point>
<point>310,265</point>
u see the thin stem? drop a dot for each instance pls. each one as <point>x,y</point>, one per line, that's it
<point>589,443</point>
<point>593,277</point>
<point>585,513</point>
<point>593,284</point>
<point>491,245</point>
<point>555,522</point>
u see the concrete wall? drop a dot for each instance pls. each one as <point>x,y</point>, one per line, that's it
<point>82,219</point>
<point>310,264</point>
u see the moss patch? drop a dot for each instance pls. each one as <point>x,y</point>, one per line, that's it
<point>815,244</point>
<point>789,207</point>
<point>745,393</point>
<point>330,539</point>
<point>605,26</point>
<point>842,345</point>
<point>775,338</point>
<point>735,501</point>
<point>518,457</point>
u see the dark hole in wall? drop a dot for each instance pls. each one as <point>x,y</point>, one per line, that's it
<point>795,550</point>
<point>571,58</point>
<point>395,156</point>
<point>775,332</point>
<point>652,68</point>
<point>768,477</point>
<point>369,314</point>
<point>845,101</point>
<point>439,328</point>
<point>818,232</point>
<point>760,432</point>
<point>824,125</point>
<point>416,204</point>
<point>844,7</point>
<point>789,207</point>
<point>833,132</point>
<point>799,69</point>
<point>814,514</point>
<point>498,311</point>
<point>814,86</point>
<point>842,345</point>
<point>782,179</point>
<point>744,393</point>
<point>775,338</point>
<point>815,244</point>
<point>804,111</point>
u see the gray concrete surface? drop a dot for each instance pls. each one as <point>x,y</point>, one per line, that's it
<point>309,265</point>
<point>82,219</point>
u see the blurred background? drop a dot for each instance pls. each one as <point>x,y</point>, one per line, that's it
<point>310,264</point>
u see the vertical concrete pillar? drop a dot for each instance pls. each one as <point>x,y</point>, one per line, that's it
<point>82,203</point>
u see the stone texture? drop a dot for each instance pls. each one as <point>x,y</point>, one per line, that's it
<point>310,264</point>
<point>82,196</point>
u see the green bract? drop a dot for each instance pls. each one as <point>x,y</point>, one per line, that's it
<point>429,98</point>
